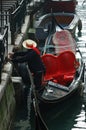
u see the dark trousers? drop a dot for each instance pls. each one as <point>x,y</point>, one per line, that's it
<point>38,80</point>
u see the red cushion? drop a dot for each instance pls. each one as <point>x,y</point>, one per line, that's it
<point>51,64</point>
<point>60,69</point>
<point>66,62</point>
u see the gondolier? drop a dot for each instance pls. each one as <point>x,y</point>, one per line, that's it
<point>32,56</point>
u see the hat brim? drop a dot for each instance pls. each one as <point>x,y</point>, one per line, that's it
<point>28,42</point>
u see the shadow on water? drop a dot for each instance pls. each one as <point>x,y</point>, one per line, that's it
<point>21,122</point>
<point>65,116</point>
<point>62,116</point>
<point>22,117</point>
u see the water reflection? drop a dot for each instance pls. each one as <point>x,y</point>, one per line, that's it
<point>80,120</point>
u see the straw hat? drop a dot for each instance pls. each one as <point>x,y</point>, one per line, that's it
<point>29,44</point>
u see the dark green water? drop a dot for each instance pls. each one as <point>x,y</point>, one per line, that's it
<point>68,116</point>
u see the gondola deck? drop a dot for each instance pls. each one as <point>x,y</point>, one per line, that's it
<point>64,69</point>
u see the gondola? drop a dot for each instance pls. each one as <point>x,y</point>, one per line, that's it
<point>60,6</point>
<point>66,20</point>
<point>64,69</point>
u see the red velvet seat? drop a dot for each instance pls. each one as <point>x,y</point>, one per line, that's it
<point>51,64</point>
<point>60,69</point>
<point>67,62</point>
<point>67,66</point>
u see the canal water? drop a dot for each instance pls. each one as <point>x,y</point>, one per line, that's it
<point>72,115</point>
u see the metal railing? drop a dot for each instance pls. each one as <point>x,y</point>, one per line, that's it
<point>12,15</point>
<point>3,47</point>
<point>17,19</point>
<point>6,8</point>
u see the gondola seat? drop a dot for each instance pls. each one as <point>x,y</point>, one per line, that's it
<point>67,66</point>
<point>60,69</point>
<point>51,64</point>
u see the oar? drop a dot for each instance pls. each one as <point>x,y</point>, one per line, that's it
<point>40,124</point>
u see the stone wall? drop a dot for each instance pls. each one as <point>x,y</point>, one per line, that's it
<point>7,92</point>
<point>7,98</point>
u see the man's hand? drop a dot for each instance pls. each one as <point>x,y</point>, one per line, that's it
<point>10,56</point>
